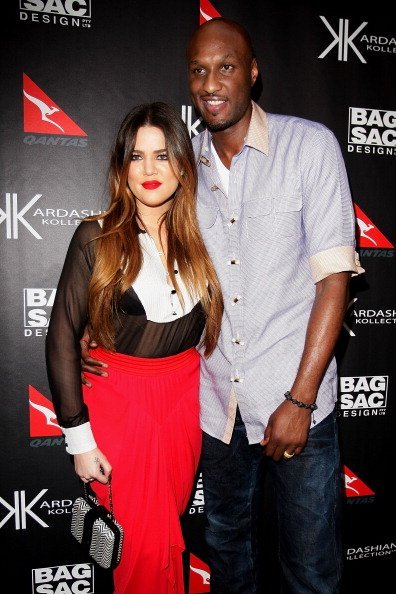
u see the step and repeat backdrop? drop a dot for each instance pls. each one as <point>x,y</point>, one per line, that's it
<point>71,70</point>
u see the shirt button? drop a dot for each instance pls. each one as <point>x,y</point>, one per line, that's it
<point>235,299</point>
<point>233,261</point>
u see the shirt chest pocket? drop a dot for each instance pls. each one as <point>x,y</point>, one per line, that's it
<point>207,217</point>
<point>280,217</point>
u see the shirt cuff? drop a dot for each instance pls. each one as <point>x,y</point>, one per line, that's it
<point>79,439</point>
<point>337,259</point>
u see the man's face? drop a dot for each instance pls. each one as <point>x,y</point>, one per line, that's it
<point>221,74</point>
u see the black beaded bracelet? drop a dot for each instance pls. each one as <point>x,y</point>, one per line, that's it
<point>300,404</point>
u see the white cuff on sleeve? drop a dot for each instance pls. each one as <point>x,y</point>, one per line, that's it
<point>337,259</point>
<point>79,439</point>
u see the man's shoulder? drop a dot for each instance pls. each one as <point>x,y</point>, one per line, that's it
<point>291,123</point>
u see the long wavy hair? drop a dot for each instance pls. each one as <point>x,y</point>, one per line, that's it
<point>118,252</point>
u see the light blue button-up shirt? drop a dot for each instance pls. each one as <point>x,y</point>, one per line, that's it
<point>286,223</point>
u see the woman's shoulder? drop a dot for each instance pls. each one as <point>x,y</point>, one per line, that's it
<point>86,231</point>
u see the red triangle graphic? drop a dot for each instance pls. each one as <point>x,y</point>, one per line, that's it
<point>354,487</point>
<point>199,576</point>
<point>43,420</point>
<point>207,11</point>
<point>42,115</point>
<point>367,234</point>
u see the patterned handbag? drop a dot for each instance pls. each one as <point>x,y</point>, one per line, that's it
<point>95,527</point>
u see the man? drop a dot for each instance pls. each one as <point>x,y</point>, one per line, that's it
<point>277,218</point>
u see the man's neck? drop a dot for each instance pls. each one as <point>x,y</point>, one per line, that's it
<point>230,141</point>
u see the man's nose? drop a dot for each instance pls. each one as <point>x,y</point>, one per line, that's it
<point>212,83</point>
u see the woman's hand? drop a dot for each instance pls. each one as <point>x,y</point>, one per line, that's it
<point>92,466</point>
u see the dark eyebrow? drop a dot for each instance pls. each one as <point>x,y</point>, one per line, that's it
<point>155,152</point>
<point>222,59</point>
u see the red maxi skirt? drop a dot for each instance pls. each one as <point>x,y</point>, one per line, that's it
<point>145,419</point>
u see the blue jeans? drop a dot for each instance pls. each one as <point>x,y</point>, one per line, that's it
<point>308,505</point>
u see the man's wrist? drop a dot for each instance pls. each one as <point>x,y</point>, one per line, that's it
<point>307,406</point>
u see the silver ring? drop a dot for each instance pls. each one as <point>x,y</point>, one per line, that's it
<point>287,456</point>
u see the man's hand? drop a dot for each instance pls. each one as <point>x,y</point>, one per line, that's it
<point>287,431</point>
<point>88,363</point>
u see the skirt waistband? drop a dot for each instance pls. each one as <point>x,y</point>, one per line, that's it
<point>145,365</point>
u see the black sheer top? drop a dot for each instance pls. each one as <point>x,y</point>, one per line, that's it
<point>135,334</point>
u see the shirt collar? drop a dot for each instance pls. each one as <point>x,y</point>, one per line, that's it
<point>256,137</point>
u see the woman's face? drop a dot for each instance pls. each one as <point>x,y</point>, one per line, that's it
<point>151,177</point>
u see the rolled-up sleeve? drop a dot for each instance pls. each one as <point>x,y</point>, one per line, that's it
<point>337,259</point>
<point>328,215</point>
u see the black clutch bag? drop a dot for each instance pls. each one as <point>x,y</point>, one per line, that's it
<point>96,529</point>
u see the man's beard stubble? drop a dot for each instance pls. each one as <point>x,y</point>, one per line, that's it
<point>218,126</point>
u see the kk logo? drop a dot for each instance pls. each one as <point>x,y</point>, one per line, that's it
<point>20,510</point>
<point>12,216</point>
<point>343,40</point>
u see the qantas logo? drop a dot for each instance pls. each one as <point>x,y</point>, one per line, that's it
<point>42,115</point>
<point>43,421</point>
<point>354,488</point>
<point>207,11</point>
<point>369,236</point>
<point>199,576</point>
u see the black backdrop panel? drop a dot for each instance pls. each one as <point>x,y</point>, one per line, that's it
<point>71,71</point>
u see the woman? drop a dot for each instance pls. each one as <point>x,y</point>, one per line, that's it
<point>140,276</point>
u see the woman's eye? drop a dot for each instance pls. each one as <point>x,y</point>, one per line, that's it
<point>163,157</point>
<point>135,157</point>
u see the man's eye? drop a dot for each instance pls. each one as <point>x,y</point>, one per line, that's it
<point>198,70</point>
<point>227,67</point>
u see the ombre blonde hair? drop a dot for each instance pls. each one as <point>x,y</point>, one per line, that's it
<point>118,252</point>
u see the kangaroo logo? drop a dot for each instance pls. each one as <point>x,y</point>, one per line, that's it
<point>205,575</point>
<point>360,489</point>
<point>37,109</point>
<point>43,421</point>
<point>207,12</point>
<point>44,108</point>
<point>363,228</point>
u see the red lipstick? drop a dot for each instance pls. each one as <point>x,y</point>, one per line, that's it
<point>151,185</point>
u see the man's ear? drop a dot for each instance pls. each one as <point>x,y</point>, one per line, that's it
<point>254,71</point>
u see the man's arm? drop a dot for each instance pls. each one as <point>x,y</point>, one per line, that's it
<point>288,426</point>
<point>88,363</point>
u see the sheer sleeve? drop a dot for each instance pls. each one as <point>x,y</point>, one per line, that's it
<point>66,326</point>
